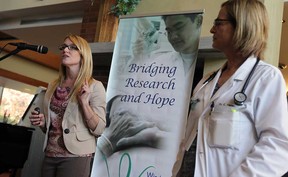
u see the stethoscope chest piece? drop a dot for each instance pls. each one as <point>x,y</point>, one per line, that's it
<point>239,98</point>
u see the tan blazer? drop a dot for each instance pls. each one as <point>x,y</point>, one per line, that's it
<point>78,138</point>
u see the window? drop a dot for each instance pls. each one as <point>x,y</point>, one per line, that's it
<point>13,104</point>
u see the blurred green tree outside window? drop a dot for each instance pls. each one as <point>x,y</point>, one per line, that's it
<point>13,105</point>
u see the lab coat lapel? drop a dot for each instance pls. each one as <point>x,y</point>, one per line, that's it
<point>221,92</point>
<point>209,91</point>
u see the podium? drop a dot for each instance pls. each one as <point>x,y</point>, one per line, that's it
<point>14,146</point>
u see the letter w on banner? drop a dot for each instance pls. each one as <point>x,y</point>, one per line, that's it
<point>148,95</point>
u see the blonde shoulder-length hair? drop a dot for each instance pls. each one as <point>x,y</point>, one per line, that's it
<point>250,20</point>
<point>86,65</point>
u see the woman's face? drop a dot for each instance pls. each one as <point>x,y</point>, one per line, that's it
<point>70,54</point>
<point>223,32</point>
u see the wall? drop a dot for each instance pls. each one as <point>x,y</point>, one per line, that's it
<point>275,11</point>
<point>284,44</point>
<point>29,68</point>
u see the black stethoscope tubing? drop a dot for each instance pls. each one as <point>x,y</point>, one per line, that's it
<point>239,97</point>
<point>250,75</point>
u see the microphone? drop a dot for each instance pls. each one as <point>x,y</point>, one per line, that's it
<point>36,48</point>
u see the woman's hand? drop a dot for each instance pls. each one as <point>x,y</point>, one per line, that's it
<point>37,118</point>
<point>83,95</point>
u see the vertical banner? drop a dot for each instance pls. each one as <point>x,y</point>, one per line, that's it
<point>148,95</point>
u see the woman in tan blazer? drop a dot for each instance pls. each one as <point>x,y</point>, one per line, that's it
<point>73,113</point>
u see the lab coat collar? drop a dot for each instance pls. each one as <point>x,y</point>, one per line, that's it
<point>240,75</point>
<point>243,71</point>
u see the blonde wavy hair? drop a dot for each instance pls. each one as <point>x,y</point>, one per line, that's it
<point>250,19</point>
<point>86,65</point>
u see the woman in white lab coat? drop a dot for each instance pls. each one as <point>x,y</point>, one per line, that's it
<point>239,113</point>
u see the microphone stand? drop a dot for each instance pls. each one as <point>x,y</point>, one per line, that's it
<point>11,53</point>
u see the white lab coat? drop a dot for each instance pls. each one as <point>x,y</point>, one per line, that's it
<point>241,141</point>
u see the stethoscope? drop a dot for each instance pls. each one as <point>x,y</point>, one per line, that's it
<point>239,97</point>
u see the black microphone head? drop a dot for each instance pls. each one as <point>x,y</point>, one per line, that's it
<point>36,48</point>
<point>42,49</point>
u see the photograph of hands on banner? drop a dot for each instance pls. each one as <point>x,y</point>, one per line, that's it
<point>126,129</point>
<point>148,95</point>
